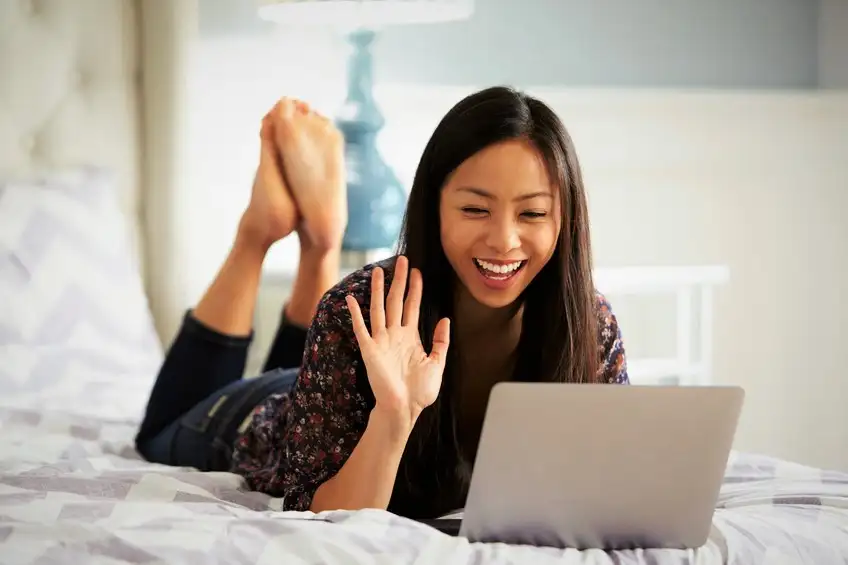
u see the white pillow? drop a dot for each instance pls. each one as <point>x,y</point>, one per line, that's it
<point>76,332</point>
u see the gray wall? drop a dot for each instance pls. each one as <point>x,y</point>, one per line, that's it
<point>607,43</point>
<point>833,44</point>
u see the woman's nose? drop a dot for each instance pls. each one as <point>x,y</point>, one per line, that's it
<point>503,236</point>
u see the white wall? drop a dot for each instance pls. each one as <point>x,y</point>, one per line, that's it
<point>754,180</point>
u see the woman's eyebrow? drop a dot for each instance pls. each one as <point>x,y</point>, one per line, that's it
<point>488,195</point>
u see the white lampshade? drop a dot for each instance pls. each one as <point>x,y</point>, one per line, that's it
<point>363,13</point>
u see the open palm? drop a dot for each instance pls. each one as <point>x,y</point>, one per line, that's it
<point>405,379</point>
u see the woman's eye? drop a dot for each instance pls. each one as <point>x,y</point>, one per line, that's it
<point>534,215</point>
<point>473,211</point>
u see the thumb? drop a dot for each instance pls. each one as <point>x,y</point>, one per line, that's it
<point>441,341</point>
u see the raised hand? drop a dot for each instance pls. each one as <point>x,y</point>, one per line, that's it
<point>405,379</point>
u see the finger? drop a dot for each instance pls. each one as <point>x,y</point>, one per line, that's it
<point>378,312</point>
<point>394,302</point>
<point>441,341</point>
<point>413,299</point>
<point>359,328</point>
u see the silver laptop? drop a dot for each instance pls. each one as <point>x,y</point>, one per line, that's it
<point>600,466</point>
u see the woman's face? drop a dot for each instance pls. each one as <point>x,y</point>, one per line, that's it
<point>500,221</point>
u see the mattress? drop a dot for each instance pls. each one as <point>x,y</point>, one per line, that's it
<point>73,490</point>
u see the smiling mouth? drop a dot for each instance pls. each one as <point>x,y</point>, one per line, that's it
<point>499,271</point>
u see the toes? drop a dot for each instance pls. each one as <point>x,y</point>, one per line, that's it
<point>325,123</point>
<point>273,112</point>
<point>286,108</point>
<point>266,131</point>
<point>302,107</point>
<point>290,115</point>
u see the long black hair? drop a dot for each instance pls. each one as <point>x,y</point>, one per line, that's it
<point>559,340</point>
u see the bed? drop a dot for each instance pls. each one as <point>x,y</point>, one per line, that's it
<point>90,170</point>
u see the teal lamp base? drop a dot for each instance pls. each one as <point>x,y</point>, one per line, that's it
<point>376,198</point>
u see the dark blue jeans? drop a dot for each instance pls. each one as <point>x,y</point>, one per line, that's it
<point>200,402</point>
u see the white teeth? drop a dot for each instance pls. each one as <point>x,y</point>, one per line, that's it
<point>499,269</point>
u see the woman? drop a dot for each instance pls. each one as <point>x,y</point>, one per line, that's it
<point>387,408</point>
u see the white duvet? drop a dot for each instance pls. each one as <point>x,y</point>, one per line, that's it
<point>73,492</point>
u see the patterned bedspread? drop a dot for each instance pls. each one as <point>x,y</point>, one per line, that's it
<point>73,491</point>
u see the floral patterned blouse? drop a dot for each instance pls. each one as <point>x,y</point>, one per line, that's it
<point>295,442</point>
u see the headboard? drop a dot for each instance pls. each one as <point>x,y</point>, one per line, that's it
<point>101,82</point>
<point>71,90</point>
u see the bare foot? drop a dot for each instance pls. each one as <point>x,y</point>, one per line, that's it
<point>272,212</point>
<point>312,152</point>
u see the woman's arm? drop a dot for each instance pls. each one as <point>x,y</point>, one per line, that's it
<point>367,479</point>
<point>404,379</point>
<point>326,446</point>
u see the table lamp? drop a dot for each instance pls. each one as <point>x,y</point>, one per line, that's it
<point>376,199</point>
